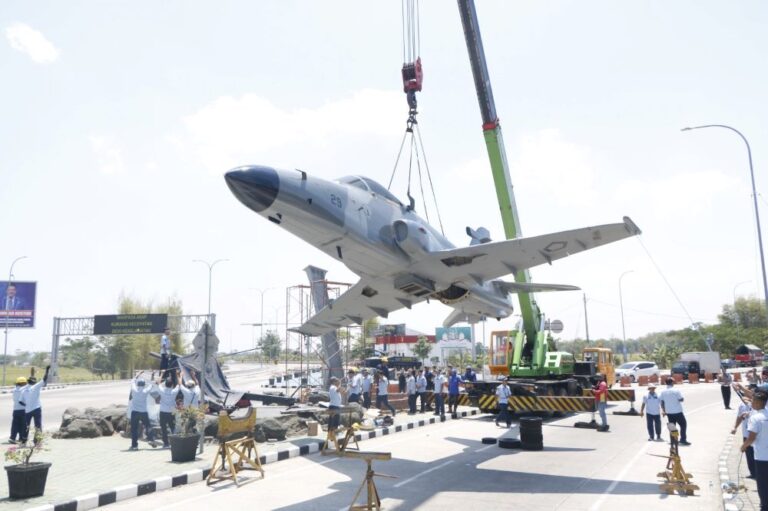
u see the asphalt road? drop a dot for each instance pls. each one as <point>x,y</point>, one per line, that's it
<point>55,401</point>
<point>445,466</point>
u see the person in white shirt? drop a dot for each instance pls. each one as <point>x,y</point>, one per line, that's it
<point>335,404</point>
<point>165,352</point>
<point>18,422</point>
<point>440,382</point>
<point>354,386</point>
<point>410,388</point>
<point>758,438</point>
<point>190,393</point>
<point>167,400</point>
<point>30,396</point>
<point>382,392</point>
<point>502,393</point>
<point>672,407</point>
<point>742,418</point>
<point>366,382</point>
<point>652,410</point>
<point>139,393</point>
<point>421,390</point>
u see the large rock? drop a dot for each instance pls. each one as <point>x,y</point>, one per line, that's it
<point>271,429</point>
<point>80,428</point>
<point>318,395</point>
<point>92,422</point>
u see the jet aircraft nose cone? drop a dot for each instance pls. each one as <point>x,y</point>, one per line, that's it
<point>254,186</point>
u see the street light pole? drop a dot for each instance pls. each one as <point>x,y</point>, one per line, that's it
<point>621,306</point>
<point>737,285</point>
<point>261,319</point>
<point>754,199</point>
<point>7,315</point>
<point>207,329</point>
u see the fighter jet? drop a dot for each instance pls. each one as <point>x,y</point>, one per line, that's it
<point>400,259</point>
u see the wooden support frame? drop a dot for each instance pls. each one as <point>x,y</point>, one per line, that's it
<point>373,500</point>
<point>236,455</point>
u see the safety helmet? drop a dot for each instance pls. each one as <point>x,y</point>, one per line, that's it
<point>21,380</point>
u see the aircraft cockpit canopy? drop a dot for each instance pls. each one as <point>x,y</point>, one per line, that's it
<point>369,185</point>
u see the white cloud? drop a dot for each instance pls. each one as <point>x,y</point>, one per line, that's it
<point>229,131</point>
<point>31,42</point>
<point>109,157</point>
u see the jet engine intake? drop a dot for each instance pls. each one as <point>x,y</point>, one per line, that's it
<point>452,294</point>
<point>411,237</point>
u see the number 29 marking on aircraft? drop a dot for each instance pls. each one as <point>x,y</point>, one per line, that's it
<point>336,201</point>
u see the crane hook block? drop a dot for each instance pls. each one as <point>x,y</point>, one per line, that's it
<point>412,76</point>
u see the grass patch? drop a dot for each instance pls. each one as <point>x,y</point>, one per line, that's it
<point>66,374</point>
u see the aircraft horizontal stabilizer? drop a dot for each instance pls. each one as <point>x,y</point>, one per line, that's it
<point>532,287</point>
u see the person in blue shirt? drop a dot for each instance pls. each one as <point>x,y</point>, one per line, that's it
<point>469,374</point>
<point>453,393</point>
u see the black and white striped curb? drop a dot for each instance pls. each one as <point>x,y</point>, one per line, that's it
<point>47,387</point>
<point>129,491</point>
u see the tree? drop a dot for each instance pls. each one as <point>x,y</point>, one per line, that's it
<point>79,352</point>
<point>270,345</point>
<point>422,348</point>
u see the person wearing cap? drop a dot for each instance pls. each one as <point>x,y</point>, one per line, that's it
<point>469,374</point>
<point>18,424</point>
<point>190,393</point>
<point>167,399</point>
<point>502,393</point>
<point>139,393</point>
<point>742,418</point>
<point>652,410</point>
<point>672,408</point>
<point>30,396</point>
<point>365,384</point>
<point>454,380</point>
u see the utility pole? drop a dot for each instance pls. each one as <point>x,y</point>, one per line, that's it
<point>7,314</point>
<point>586,320</point>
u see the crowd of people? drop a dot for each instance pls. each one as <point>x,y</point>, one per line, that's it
<point>169,391</point>
<point>369,387</point>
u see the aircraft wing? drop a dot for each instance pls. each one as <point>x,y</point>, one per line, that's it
<point>489,261</point>
<point>369,298</point>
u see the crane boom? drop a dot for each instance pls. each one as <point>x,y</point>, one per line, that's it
<point>498,158</point>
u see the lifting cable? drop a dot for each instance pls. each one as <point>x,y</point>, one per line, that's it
<point>413,76</point>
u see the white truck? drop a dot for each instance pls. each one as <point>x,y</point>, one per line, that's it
<point>701,362</point>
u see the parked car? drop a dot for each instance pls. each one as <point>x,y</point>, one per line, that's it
<point>637,369</point>
<point>728,363</point>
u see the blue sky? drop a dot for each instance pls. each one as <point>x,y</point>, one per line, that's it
<point>119,120</point>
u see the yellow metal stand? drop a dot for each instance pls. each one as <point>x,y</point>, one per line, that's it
<point>677,479</point>
<point>373,501</point>
<point>236,455</point>
<point>341,445</point>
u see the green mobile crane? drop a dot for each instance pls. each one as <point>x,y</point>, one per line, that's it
<point>525,351</point>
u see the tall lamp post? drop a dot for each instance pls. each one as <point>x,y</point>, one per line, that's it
<point>7,315</point>
<point>253,337</point>
<point>207,329</point>
<point>621,306</point>
<point>261,319</point>
<point>754,198</point>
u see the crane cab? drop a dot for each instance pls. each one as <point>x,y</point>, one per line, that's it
<point>603,359</point>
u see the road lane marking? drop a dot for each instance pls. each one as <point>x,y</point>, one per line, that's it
<point>618,479</point>
<point>402,483</point>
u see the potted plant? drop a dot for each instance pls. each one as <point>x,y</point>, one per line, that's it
<point>25,478</point>
<point>184,443</point>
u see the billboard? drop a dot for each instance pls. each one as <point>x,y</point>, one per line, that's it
<point>454,334</point>
<point>129,324</point>
<point>17,304</point>
<point>389,330</point>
